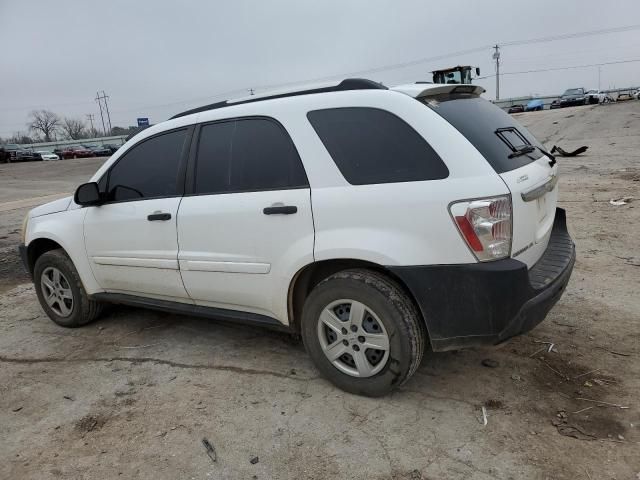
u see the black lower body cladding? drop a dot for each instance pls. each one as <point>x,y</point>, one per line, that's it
<point>487,303</point>
<point>22,249</point>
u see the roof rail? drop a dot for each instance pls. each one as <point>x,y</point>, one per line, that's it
<point>346,84</point>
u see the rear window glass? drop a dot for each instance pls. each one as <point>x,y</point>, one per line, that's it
<point>371,146</point>
<point>487,127</point>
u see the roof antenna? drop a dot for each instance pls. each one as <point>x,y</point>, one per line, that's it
<point>251,91</point>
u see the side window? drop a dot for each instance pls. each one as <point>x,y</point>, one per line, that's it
<point>149,169</point>
<point>372,146</point>
<point>247,155</point>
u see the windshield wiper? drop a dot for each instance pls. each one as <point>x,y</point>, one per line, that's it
<point>525,149</point>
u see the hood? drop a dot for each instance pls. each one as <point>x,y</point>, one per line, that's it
<point>52,207</point>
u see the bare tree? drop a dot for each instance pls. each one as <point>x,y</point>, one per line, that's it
<point>20,137</point>
<point>73,128</point>
<point>45,122</point>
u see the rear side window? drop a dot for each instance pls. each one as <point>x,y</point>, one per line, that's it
<point>491,130</point>
<point>247,155</point>
<point>149,169</point>
<point>372,146</point>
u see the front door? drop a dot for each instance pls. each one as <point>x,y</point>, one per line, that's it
<point>131,240</point>
<point>247,226</point>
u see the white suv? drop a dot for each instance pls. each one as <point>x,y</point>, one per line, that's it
<point>368,220</point>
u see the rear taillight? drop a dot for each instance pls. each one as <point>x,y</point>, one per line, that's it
<point>485,224</point>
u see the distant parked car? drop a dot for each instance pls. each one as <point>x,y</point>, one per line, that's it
<point>624,96</point>
<point>5,154</point>
<point>75,151</point>
<point>595,96</point>
<point>112,147</point>
<point>516,109</point>
<point>573,96</point>
<point>29,155</point>
<point>63,152</point>
<point>15,153</point>
<point>9,152</point>
<point>47,155</point>
<point>99,150</point>
<point>534,105</point>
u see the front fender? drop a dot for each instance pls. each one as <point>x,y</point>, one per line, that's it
<point>66,228</point>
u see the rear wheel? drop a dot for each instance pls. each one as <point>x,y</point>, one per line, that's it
<point>363,332</point>
<point>60,291</point>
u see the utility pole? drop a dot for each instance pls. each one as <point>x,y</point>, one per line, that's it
<point>104,130</point>
<point>496,57</point>
<point>100,99</point>
<point>90,118</point>
<point>599,72</point>
<point>106,106</point>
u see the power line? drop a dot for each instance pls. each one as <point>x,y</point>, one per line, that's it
<point>35,107</point>
<point>567,36</point>
<point>564,68</point>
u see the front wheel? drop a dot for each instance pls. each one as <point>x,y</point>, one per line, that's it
<point>60,291</point>
<point>363,332</point>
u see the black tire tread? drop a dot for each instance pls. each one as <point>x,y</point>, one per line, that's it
<point>91,309</point>
<point>412,325</point>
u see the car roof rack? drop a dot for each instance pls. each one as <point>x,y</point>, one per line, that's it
<point>346,84</point>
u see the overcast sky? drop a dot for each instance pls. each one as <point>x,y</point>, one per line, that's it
<point>155,58</point>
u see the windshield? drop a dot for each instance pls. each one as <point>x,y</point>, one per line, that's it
<point>573,91</point>
<point>490,129</point>
<point>452,77</point>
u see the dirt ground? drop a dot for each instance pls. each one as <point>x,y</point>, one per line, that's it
<point>134,394</point>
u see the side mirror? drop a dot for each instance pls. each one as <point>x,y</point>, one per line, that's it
<point>87,194</point>
<point>477,71</point>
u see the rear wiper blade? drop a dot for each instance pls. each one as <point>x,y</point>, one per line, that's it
<point>525,149</point>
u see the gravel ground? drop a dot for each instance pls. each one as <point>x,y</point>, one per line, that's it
<point>134,394</point>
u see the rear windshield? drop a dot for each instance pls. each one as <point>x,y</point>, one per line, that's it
<point>490,129</point>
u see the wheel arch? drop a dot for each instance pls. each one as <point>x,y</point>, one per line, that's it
<point>37,248</point>
<point>310,275</point>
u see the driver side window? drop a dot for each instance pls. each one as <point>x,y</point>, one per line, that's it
<point>149,169</point>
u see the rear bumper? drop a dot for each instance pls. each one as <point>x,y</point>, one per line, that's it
<point>487,303</point>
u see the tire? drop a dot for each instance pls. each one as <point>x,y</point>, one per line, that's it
<point>81,310</point>
<point>385,303</point>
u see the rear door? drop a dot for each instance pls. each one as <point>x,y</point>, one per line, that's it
<point>246,226</point>
<point>531,177</point>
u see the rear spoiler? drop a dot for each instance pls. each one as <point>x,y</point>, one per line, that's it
<point>421,90</point>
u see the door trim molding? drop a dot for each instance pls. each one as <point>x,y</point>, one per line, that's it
<point>163,263</point>
<point>224,267</point>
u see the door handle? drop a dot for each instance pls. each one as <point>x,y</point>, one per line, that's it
<point>280,210</point>
<point>159,216</point>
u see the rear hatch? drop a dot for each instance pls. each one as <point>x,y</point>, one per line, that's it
<point>515,155</point>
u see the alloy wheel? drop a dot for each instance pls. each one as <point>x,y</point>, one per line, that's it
<point>57,291</point>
